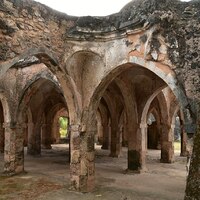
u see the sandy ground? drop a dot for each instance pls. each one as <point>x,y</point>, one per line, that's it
<point>47,178</point>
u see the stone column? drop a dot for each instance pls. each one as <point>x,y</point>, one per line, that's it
<point>125,136</point>
<point>14,148</point>
<point>192,191</point>
<point>116,143</point>
<point>30,143</point>
<point>99,135</point>
<point>183,141</point>
<point>2,138</point>
<point>167,144</point>
<point>34,139</point>
<point>26,136</point>
<point>106,129</point>
<point>55,134</point>
<point>82,159</point>
<point>46,136</point>
<point>142,145</point>
<point>136,148</point>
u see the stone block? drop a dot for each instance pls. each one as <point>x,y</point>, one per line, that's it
<point>75,157</point>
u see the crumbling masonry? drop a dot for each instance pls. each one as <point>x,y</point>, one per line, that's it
<point>107,74</point>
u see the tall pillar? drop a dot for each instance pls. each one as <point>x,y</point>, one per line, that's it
<point>136,147</point>
<point>34,139</point>
<point>192,187</point>
<point>183,141</point>
<point>125,136</point>
<point>55,133</point>
<point>14,148</point>
<point>106,130</point>
<point>26,136</point>
<point>167,143</point>
<point>2,138</point>
<point>82,159</point>
<point>116,143</point>
<point>46,136</point>
<point>99,135</point>
<point>142,145</point>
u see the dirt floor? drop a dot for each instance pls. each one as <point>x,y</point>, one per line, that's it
<point>47,178</point>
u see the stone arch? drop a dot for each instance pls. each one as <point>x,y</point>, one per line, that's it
<point>85,68</point>
<point>36,78</point>
<point>155,113</point>
<point>39,117</point>
<point>147,105</point>
<point>166,74</point>
<point>47,57</point>
<point>42,53</point>
<point>161,71</point>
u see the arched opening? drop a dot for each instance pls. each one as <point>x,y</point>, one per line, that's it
<point>125,97</point>
<point>63,128</point>
<point>132,88</point>
<point>103,125</point>
<point>60,125</point>
<point>42,103</point>
<point>177,135</point>
<point>63,124</point>
<point>153,136</point>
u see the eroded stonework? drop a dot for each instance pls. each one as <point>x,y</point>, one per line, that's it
<point>106,74</point>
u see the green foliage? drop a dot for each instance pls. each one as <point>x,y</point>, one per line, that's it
<point>177,145</point>
<point>63,122</point>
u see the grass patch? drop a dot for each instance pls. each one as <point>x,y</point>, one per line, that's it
<point>25,189</point>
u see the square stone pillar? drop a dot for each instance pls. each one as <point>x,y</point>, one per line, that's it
<point>142,145</point>
<point>14,148</point>
<point>183,141</point>
<point>192,191</point>
<point>2,138</point>
<point>167,144</point>
<point>116,141</point>
<point>46,136</point>
<point>82,168</point>
<point>106,133</point>
<point>34,139</point>
<point>137,148</point>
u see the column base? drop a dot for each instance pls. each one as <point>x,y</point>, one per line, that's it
<point>183,154</point>
<point>138,171</point>
<point>82,183</point>
<point>12,173</point>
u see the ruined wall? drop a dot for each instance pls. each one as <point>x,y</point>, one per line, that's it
<point>162,33</point>
<point>25,25</point>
